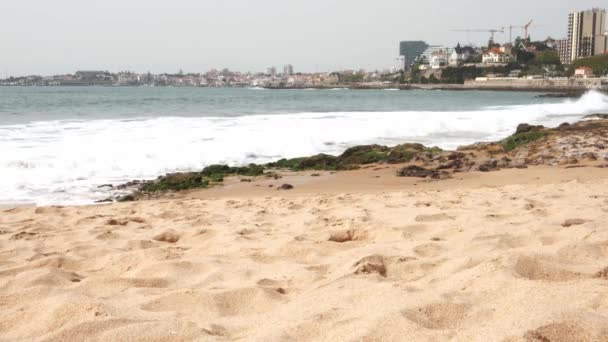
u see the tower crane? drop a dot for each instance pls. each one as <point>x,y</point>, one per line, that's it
<point>491,31</point>
<point>525,28</point>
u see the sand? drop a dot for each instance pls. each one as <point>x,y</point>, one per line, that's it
<point>514,255</point>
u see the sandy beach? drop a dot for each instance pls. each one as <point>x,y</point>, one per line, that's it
<point>513,255</point>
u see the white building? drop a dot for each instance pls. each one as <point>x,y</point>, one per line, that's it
<point>496,55</point>
<point>583,72</point>
<point>288,70</point>
<point>439,59</point>
<point>460,55</point>
<point>427,55</point>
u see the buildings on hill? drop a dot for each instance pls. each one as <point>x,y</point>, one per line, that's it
<point>498,55</point>
<point>288,70</point>
<point>460,55</point>
<point>586,35</point>
<point>410,51</point>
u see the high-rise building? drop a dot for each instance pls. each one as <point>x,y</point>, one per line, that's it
<point>411,50</point>
<point>272,71</point>
<point>586,35</point>
<point>288,70</point>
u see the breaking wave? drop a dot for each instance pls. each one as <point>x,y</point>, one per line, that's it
<point>64,162</point>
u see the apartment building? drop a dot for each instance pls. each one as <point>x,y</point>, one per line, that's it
<point>586,35</point>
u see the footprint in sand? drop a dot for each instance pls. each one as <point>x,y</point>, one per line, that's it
<point>169,236</point>
<point>108,235</point>
<point>573,222</point>
<point>410,231</point>
<point>156,283</point>
<point>348,235</point>
<point>51,278</point>
<point>541,268</point>
<point>373,264</point>
<point>569,331</point>
<point>243,301</point>
<point>27,236</point>
<point>433,218</point>
<point>438,316</point>
<point>583,253</point>
<point>428,250</point>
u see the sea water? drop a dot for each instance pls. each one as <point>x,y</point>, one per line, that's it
<point>59,144</point>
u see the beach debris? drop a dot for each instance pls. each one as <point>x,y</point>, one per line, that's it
<point>285,187</point>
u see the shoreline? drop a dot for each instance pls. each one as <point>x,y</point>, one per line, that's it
<point>528,146</point>
<point>575,90</point>
<point>476,245</point>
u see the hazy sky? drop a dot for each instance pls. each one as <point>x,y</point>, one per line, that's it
<point>61,36</point>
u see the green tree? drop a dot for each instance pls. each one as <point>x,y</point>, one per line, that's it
<point>547,57</point>
<point>598,63</point>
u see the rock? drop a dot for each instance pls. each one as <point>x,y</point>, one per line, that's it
<point>318,162</point>
<point>525,128</point>
<point>491,148</point>
<point>131,184</point>
<point>589,156</point>
<point>489,165</point>
<point>567,161</point>
<point>105,186</point>
<point>125,198</point>
<point>285,187</point>
<point>417,171</point>
<point>107,200</point>
<point>596,116</point>
<point>176,182</point>
<point>220,170</point>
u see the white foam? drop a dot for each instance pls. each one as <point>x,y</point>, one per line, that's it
<point>63,162</point>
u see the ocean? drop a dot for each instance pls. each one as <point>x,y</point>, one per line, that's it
<point>58,145</point>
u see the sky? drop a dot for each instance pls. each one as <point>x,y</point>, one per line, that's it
<point>46,37</point>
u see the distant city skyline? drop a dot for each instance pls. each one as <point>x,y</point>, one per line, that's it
<point>58,37</point>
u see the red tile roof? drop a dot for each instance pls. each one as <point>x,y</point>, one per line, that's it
<point>494,50</point>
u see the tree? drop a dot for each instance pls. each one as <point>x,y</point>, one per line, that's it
<point>599,64</point>
<point>547,57</point>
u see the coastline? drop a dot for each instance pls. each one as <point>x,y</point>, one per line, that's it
<point>580,144</point>
<point>573,89</point>
<point>479,252</point>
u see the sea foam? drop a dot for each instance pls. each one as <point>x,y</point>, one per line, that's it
<point>64,162</point>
